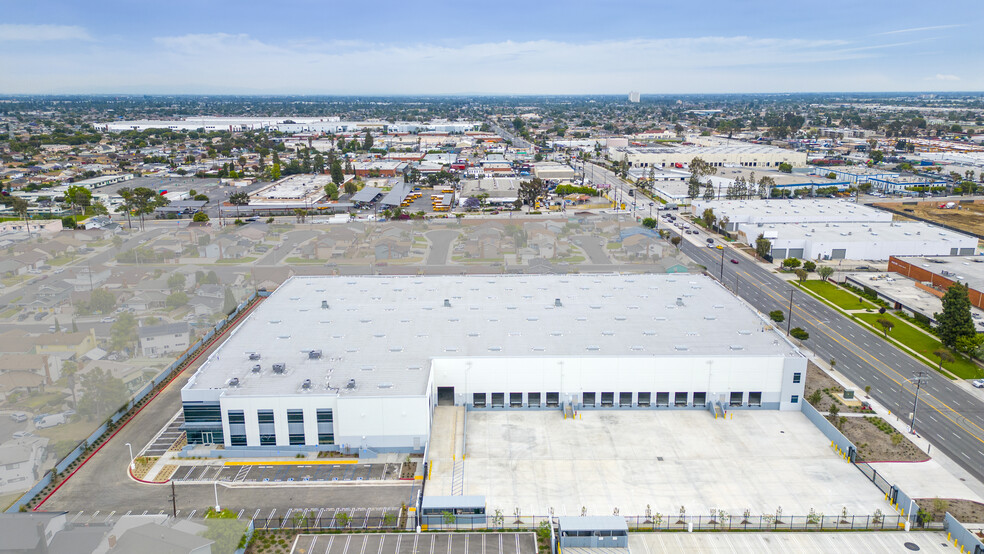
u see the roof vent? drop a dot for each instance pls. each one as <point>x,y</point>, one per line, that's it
<point>306,384</point>
<point>557,302</point>
<point>314,355</point>
<point>254,356</point>
<point>280,368</point>
<point>234,382</point>
<point>351,384</point>
<point>324,304</point>
<point>447,303</point>
<point>256,368</point>
<point>679,301</point>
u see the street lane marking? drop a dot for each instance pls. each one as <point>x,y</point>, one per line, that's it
<point>807,316</point>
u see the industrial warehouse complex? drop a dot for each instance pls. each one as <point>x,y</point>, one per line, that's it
<point>330,363</point>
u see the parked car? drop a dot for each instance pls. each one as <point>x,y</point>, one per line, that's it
<point>19,417</point>
<point>979,383</point>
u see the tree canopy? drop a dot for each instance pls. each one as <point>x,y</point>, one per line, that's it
<point>954,321</point>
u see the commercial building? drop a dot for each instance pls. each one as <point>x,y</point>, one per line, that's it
<point>940,272</point>
<point>103,181</point>
<point>757,156</point>
<point>880,180</point>
<point>913,297</point>
<point>857,241</point>
<point>771,212</point>
<point>328,125</point>
<point>295,191</point>
<point>327,363</point>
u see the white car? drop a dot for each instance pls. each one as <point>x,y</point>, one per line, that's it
<point>979,383</point>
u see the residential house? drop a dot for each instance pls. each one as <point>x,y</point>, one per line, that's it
<point>33,259</point>
<point>158,340</point>
<point>22,460</point>
<point>45,366</point>
<point>211,291</point>
<point>146,301</point>
<point>75,343</point>
<point>20,381</point>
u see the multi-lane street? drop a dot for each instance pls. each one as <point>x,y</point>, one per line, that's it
<point>948,416</point>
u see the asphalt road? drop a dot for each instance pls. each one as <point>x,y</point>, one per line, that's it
<point>948,416</point>
<point>102,483</point>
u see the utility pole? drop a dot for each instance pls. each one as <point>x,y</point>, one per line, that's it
<point>789,319</point>
<point>920,375</point>
<point>174,501</point>
<point>722,266</point>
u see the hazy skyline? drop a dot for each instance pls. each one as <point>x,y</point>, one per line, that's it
<point>507,47</point>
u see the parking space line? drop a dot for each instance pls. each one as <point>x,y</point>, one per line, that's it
<point>192,514</point>
<point>77,516</point>
<point>255,514</point>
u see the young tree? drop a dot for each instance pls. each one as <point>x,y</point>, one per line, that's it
<point>799,333</point>
<point>777,315</point>
<point>944,356</point>
<point>200,217</point>
<point>825,272</point>
<point>351,187</point>
<point>675,241</point>
<point>275,171</point>
<point>809,265</point>
<point>763,246</point>
<point>791,263</point>
<point>331,190</point>
<point>708,217</point>
<point>955,321</point>
<point>649,223</point>
<point>709,192</point>
<point>802,274</point>
<point>886,326</point>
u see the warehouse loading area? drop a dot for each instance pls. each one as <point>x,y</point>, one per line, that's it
<point>603,460</point>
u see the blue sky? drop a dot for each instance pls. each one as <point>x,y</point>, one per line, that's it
<point>498,47</point>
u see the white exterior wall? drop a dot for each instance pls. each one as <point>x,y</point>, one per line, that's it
<point>384,421</point>
<point>573,376</point>
<point>870,249</point>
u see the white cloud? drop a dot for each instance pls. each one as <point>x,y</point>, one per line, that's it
<point>919,29</point>
<point>944,77</point>
<point>21,32</point>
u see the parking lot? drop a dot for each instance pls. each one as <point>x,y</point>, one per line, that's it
<point>402,543</point>
<point>235,472</point>
<point>163,441</point>
<point>322,517</point>
<point>628,460</point>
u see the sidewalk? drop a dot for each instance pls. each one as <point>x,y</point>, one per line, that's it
<point>940,476</point>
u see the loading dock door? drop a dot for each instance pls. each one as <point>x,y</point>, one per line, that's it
<point>445,396</point>
<point>838,253</point>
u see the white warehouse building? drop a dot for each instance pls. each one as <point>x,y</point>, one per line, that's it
<point>753,156</point>
<point>858,241</point>
<point>329,363</point>
<point>807,210</point>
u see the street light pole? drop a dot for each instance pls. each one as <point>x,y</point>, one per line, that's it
<point>789,320</point>
<point>132,465</point>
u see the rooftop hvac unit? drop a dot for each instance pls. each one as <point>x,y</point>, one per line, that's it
<point>351,384</point>
<point>679,301</point>
<point>254,356</point>
<point>557,302</point>
<point>314,355</point>
<point>324,304</point>
<point>279,368</point>
<point>447,303</point>
<point>256,368</point>
<point>234,382</point>
<point>306,384</point>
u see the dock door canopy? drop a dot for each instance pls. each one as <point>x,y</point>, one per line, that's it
<point>445,396</point>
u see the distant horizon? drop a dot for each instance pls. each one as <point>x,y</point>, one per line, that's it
<point>643,95</point>
<point>520,48</point>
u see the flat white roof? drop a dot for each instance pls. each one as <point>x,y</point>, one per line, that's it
<point>965,269</point>
<point>792,211</point>
<point>383,331</point>
<point>907,231</point>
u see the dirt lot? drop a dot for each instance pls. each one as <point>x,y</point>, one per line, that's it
<point>966,511</point>
<point>969,218</point>
<point>875,445</point>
